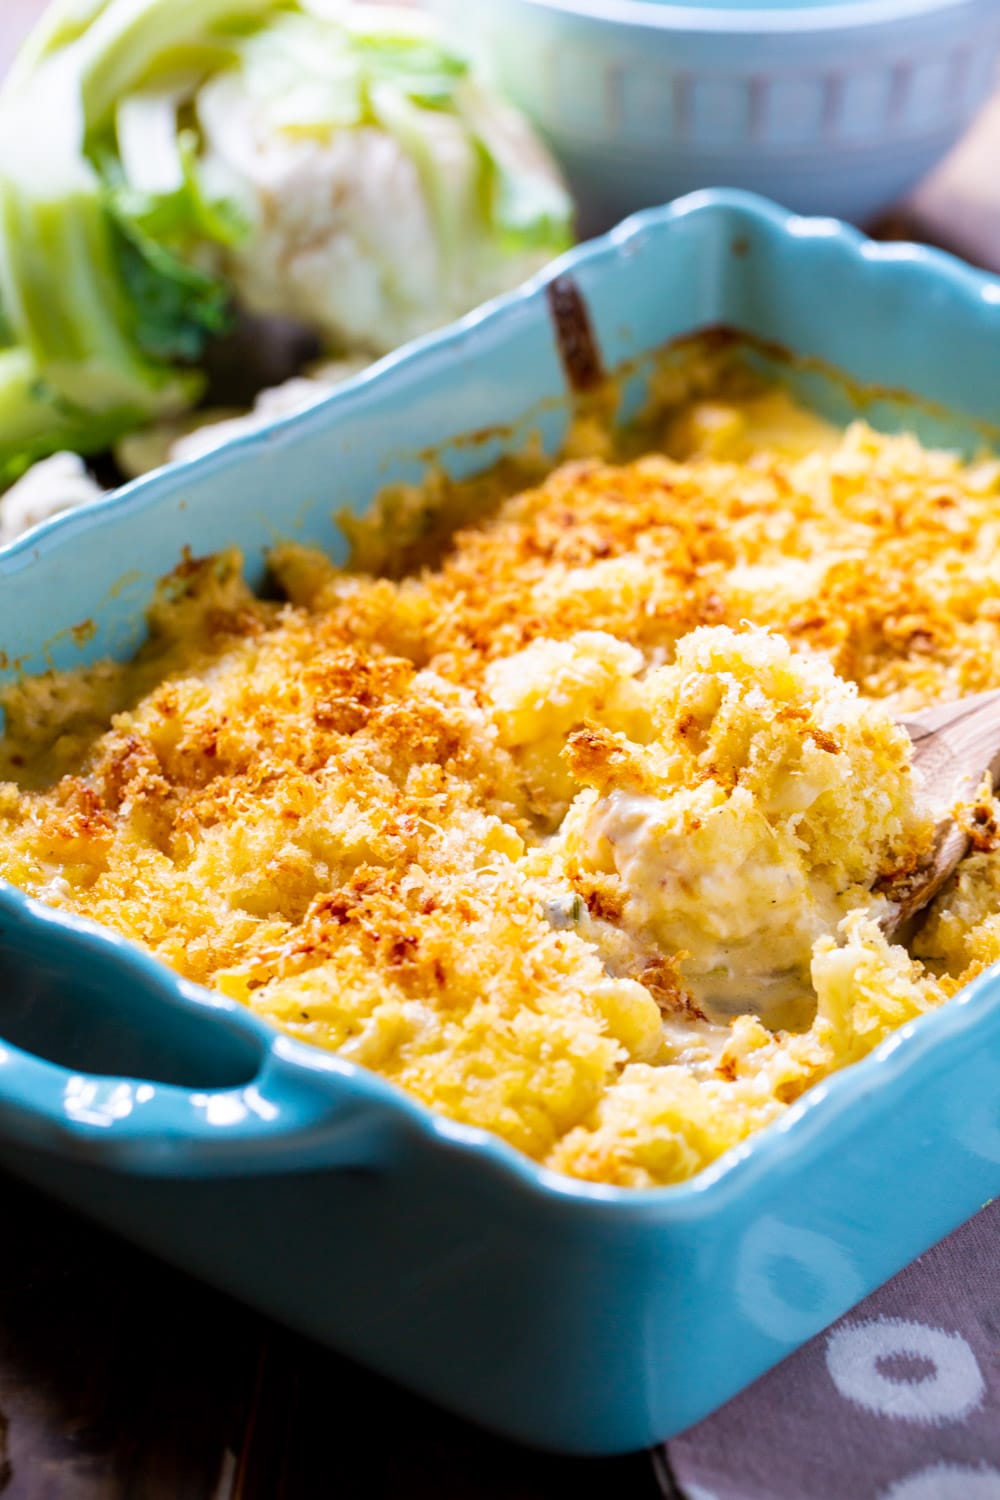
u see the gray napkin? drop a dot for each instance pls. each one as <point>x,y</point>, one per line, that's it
<point>900,1400</point>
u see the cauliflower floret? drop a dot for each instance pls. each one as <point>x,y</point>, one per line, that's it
<point>343,239</point>
<point>962,932</point>
<point>657,1125</point>
<point>540,694</point>
<point>866,987</point>
<point>59,483</point>
<point>204,431</point>
<point>745,709</point>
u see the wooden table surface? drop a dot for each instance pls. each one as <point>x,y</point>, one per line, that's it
<point>123,1380</point>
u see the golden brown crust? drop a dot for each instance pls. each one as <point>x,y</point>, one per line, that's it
<point>318,807</point>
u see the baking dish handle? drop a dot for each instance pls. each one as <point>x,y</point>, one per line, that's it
<point>109,1059</point>
<point>297,1114</point>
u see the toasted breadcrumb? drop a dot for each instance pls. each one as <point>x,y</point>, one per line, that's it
<point>531,823</point>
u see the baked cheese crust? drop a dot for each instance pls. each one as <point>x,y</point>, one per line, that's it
<point>534,828</point>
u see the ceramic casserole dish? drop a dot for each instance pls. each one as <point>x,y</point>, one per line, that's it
<point>577,1317</point>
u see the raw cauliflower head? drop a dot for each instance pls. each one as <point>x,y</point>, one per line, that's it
<point>171,166</point>
<point>379,208</point>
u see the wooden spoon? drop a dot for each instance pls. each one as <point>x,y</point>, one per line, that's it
<point>954,745</point>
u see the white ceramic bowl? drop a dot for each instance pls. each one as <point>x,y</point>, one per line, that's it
<point>829,108</point>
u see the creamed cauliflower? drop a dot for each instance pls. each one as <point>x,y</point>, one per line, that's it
<point>578,826</point>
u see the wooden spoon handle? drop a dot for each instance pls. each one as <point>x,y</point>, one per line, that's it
<point>954,745</point>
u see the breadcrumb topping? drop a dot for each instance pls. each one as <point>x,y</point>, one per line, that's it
<point>573,826</point>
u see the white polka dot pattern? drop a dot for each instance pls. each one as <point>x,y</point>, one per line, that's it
<point>947,1482</point>
<point>898,1400</point>
<point>948,1391</point>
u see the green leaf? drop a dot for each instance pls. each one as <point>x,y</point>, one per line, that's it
<point>420,69</point>
<point>36,421</point>
<point>176,308</point>
<point>528,204</point>
<point>154,175</point>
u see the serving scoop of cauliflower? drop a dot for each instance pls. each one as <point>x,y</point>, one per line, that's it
<point>731,809</point>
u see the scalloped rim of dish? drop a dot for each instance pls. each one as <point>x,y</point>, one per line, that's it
<point>651,15</point>
<point>736,1170</point>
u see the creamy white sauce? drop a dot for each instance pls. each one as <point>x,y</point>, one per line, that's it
<point>746,927</point>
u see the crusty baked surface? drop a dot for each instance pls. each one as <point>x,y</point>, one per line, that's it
<point>531,828</point>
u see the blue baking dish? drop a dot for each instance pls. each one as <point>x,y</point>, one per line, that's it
<point>577,1317</point>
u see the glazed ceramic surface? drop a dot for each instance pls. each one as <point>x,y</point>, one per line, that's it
<point>834,108</point>
<point>573,1316</point>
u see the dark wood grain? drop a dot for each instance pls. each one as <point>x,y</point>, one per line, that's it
<point>118,1379</point>
<point>121,1379</point>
